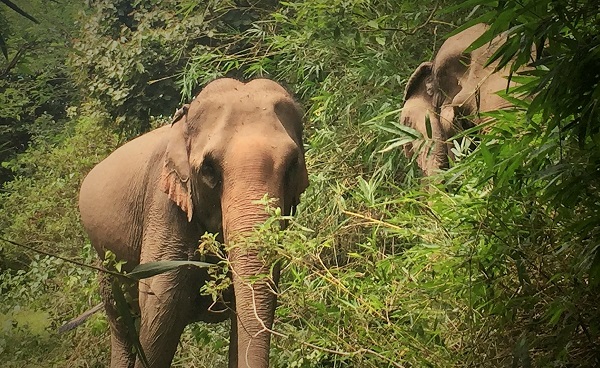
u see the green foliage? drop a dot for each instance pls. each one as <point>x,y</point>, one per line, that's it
<point>538,256</point>
<point>203,345</point>
<point>40,205</point>
<point>39,208</point>
<point>130,53</point>
<point>496,267</point>
<point>562,36</point>
<point>3,29</point>
<point>220,280</point>
<point>21,329</point>
<point>35,84</point>
<point>125,58</point>
<point>34,302</point>
<point>538,253</point>
<point>378,304</point>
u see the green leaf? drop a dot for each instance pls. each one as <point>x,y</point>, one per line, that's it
<point>14,7</point>
<point>556,314</point>
<point>397,143</point>
<point>129,321</point>
<point>373,24</point>
<point>150,269</point>
<point>487,156</point>
<point>401,130</point>
<point>3,45</point>
<point>381,116</point>
<point>484,39</point>
<point>428,126</point>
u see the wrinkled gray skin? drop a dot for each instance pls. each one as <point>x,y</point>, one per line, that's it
<point>155,196</point>
<point>451,87</point>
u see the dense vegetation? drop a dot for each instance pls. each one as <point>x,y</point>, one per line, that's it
<point>493,263</point>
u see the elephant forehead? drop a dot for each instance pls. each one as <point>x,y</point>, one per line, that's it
<point>238,103</point>
<point>258,100</point>
<point>241,100</point>
<point>224,115</point>
<point>239,113</point>
<point>268,153</point>
<point>228,85</point>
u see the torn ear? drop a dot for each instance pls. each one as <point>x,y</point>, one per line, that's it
<point>175,176</point>
<point>181,112</point>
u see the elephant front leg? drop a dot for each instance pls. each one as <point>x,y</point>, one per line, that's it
<point>121,352</point>
<point>233,340</point>
<point>165,303</point>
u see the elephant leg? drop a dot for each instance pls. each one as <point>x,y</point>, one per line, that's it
<point>166,302</point>
<point>121,352</point>
<point>233,341</point>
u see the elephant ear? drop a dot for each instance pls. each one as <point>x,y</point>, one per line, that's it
<point>420,78</point>
<point>303,181</point>
<point>175,176</point>
<point>298,186</point>
<point>291,114</point>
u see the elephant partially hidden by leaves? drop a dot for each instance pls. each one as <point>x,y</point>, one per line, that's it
<point>154,197</point>
<point>442,93</point>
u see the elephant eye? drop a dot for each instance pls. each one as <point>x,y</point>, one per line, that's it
<point>209,172</point>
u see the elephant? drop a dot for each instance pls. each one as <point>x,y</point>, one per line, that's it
<point>154,197</point>
<point>442,93</point>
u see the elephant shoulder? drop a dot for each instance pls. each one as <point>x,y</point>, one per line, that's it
<point>140,152</point>
<point>128,169</point>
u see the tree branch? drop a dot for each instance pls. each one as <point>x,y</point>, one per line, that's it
<point>414,30</point>
<point>11,64</point>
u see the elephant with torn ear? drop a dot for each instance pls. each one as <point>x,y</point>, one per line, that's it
<point>448,93</point>
<point>154,197</point>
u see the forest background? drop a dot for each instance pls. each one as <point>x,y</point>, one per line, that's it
<point>495,264</point>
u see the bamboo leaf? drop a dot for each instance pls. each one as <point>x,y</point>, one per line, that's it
<point>3,45</point>
<point>129,321</point>
<point>150,269</point>
<point>487,156</point>
<point>397,143</point>
<point>428,127</point>
<point>14,7</point>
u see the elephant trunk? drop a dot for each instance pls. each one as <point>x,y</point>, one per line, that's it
<point>254,286</point>
<point>433,154</point>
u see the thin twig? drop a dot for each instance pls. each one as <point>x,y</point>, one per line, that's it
<point>284,336</point>
<point>81,264</point>
<point>414,30</point>
<point>77,263</point>
<point>372,220</point>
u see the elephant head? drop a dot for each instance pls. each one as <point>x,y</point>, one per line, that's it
<point>451,90</point>
<point>236,143</point>
<point>154,197</point>
<point>419,111</point>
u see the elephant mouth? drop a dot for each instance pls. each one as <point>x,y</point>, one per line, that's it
<point>194,255</point>
<point>208,257</point>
